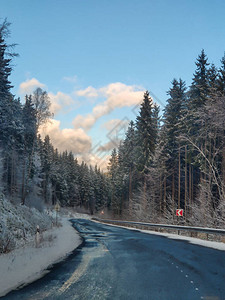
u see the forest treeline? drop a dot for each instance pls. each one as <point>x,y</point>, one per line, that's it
<point>32,171</point>
<point>176,161</point>
<point>166,161</point>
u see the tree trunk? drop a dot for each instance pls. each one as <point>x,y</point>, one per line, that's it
<point>30,160</point>
<point>160,194</point>
<point>130,185</point>
<point>185,184</point>
<point>164,198</point>
<point>13,174</point>
<point>130,193</point>
<point>223,168</point>
<point>179,178</point>
<point>145,198</point>
<point>190,188</point>
<point>23,182</point>
<point>173,191</point>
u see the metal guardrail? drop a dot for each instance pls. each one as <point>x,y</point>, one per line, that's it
<point>176,227</point>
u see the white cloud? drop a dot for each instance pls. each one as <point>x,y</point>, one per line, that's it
<point>60,101</point>
<point>72,79</point>
<point>117,95</point>
<point>75,140</point>
<point>28,86</point>
<point>84,122</point>
<point>89,92</point>
<point>121,95</point>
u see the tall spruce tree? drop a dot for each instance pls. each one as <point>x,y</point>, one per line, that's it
<point>199,89</point>
<point>115,182</point>
<point>126,159</point>
<point>213,80</point>
<point>198,97</point>
<point>6,98</point>
<point>173,127</point>
<point>146,134</point>
<point>10,113</point>
<point>173,117</point>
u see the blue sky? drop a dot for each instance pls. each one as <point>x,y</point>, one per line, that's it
<point>96,57</point>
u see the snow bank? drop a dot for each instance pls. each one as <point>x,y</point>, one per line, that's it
<point>18,224</point>
<point>24,258</point>
<point>27,264</point>
<point>196,241</point>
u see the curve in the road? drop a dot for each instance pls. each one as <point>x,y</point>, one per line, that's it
<point>117,263</point>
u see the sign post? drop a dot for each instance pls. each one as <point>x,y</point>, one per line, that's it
<point>179,213</point>
<point>57,209</point>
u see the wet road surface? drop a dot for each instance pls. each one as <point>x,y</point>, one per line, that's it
<point>117,263</point>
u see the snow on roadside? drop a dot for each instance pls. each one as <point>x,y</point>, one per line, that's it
<point>24,265</point>
<point>196,241</point>
<point>18,224</point>
<point>21,261</point>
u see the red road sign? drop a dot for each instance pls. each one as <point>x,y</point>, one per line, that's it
<point>179,212</point>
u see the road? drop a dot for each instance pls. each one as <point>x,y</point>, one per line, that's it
<point>117,263</point>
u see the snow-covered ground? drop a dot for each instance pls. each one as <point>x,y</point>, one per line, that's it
<point>29,260</point>
<point>18,224</point>
<point>24,265</point>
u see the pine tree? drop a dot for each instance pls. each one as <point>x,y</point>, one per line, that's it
<point>101,190</point>
<point>55,176</point>
<point>146,133</point>
<point>156,120</point>
<point>92,190</point>
<point>127,163</point>
<point>213,80</point>
<point>221,79</point>
<point>5,68</point>
<point>116,184</point>
<point>84,185</point>
<point>29,124</point>
<point>199,89</point>
<point>73,175</point>
<point>6,98</point>
<point>46,161</point>
<point>199,95</point>
<point>173,119</point>
<point>10,114</point>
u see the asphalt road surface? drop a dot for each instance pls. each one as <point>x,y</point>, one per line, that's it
<point>115,263</point>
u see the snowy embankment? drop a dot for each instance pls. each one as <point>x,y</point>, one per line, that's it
<point>18,224</point>
<point>27,263</point>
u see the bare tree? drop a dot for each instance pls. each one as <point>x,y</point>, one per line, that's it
<point>41,103</point>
